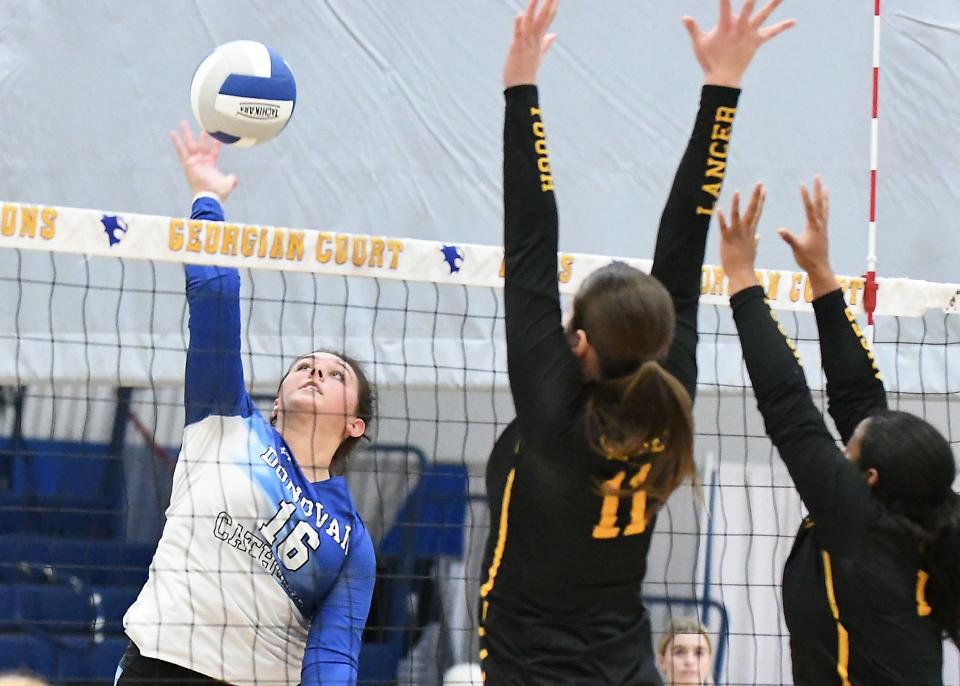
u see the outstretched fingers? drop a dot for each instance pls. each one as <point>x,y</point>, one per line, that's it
<point>542,21</point>
<point>547,42</point>
<point>755,209</point>
<point>745,13</point>
<point>743,225</point>
<point>208,145</point>
<point>693,28</point>
<point>187,133</point>
<point>808,207</point>
<point>789,238</point>
<point>530,14</point>
<point>761,17</point>
<point>758,21</point>
<point>810,248</point>
<point>549,12</point>
<point>730,229</point>
<point>537,18</point>
<point>821,197</point>
<point>725,19</point>
<point>722,222</point>
<point>775,30</point>
<point>178,145</point>
<point>735,210</point>
<point>530,42</point>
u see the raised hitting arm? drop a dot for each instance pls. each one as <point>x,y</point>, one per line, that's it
<point>214,373</point>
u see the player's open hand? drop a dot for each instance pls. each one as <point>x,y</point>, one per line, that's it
<point>811,249</point>
<point>530,43</point>
<point>738,240</point>
<point>199,159</point>
<point>726,50</point>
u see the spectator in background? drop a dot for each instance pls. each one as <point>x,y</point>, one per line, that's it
<point>685,655</point>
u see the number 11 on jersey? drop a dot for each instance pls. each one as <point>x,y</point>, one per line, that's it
<point>607,526</point>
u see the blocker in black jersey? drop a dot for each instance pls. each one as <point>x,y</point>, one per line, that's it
<point>856,596</point>
<point>564,564</point>
<point>851,594</point>
<point>571,515</point>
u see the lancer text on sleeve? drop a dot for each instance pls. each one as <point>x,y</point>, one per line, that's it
<point>717,160</point>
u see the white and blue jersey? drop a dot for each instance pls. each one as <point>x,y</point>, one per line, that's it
<point>260,576</point>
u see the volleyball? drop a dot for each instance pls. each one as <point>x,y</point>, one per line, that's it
<point>243,93</point>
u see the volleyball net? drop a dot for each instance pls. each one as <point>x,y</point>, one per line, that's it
<point>92,348</point>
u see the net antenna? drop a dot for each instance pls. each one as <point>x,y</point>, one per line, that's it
<point>870,278</point>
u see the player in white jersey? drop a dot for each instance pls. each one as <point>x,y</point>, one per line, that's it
<point>265,571</point>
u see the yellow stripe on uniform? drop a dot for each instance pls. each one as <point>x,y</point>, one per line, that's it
<point>501,537</point>
<point>923,608</point>
<point>863,342</point>
<point>783,332</point>
<point>843,641</point>
<point>497,559</point>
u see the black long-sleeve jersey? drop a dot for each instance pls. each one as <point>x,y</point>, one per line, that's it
<point>564,564</point>
<point>853,587</point>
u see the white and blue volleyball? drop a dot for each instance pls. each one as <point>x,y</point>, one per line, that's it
<point>243,93</point>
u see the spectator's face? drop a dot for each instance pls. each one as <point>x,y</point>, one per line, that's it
<point>686,660</point>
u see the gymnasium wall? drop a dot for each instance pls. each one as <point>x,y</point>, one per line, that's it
<point>397,127</point>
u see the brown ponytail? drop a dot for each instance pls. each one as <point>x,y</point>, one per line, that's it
<point>645,417</point>
<point>637,411</point>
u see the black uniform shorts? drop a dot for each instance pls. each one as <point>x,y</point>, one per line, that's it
<point>519,651</point>
<point>137,670</point>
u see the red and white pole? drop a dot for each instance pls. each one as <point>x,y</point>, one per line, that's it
<point>870,285</point>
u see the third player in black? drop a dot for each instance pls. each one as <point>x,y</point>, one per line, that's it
<point>873,579</point>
